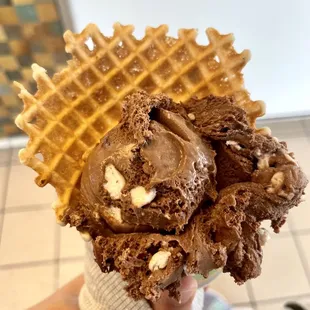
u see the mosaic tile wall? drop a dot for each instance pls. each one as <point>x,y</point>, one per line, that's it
<point>30,31</point>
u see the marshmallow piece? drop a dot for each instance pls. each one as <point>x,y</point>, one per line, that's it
<point>85,236</point>
<point>264,236</point>
<point>159,260</point>
<point>191,116</point>
<point>140,197</point>
<point>116,214</point>
<point>233,144</point>
<point>115,182</point>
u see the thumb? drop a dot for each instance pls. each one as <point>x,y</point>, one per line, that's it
<point>187,290</point>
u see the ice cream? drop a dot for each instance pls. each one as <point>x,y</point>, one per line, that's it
<point>152,171</point>
<point>176,189</point>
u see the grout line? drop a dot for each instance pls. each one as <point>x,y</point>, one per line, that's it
<point>5,193</point>
<point>251,295</point>
<point>71,259</point>
<point>57,256</point>
<point>301,232</point>
<point>302,257</point>
<point>27,264</point>
<point>26,208</point>
<point>242,305</point>
<point>282,119</point>
<point>40,262</point>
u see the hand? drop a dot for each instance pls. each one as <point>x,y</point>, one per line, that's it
<point>187,289</point>
<point>66,298</point>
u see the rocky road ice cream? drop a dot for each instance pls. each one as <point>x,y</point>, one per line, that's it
<point>177,189</point>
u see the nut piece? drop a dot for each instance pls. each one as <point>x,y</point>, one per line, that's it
<point>159,260</point>
<point>276,182</point>
<point>290,158</point>
<point>140,197</point>
<point>277,179</point>
<point>115,182</point>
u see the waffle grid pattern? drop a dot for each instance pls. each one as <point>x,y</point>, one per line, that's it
<point>69,113</point>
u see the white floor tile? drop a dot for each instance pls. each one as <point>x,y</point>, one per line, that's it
<point>282,271</point>
<point>23,190</point>
<point>69,270</point>
<point>4,156</point>
<point>23,287</point>
<point>279,305</point>
<point>305,246</point>
<point>3,180</point>
<point>234,293</point>
<point>28,236</point>
<point>1,223</point>
<point>271,306</point>
<point>71,244</point>
<point>15,158</point>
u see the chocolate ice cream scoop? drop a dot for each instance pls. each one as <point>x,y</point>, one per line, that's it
<point>177,189</point>
<point>152,171</point>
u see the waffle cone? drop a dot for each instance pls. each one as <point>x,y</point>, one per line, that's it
<point>71,112</point>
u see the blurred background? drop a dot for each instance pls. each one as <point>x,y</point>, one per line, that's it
<point>36,256</point>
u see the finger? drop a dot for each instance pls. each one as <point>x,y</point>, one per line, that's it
<point>65,298</point>
<point>187,290</point>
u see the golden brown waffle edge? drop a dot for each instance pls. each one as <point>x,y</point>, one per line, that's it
<point>71,112</point>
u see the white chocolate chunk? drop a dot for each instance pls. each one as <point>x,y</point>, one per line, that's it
<point>263,162</point>
<point>140,197</point>
<point>116,214</point>
<point>191,116</point>
<point>159,260</point>
<point>233,144</point>
<point>115,182</point>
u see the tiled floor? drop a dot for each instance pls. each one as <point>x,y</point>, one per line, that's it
<point>38,256</point>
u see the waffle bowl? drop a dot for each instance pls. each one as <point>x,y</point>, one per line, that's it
<point>73,110</point>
